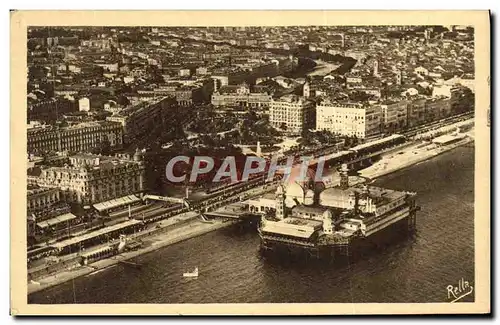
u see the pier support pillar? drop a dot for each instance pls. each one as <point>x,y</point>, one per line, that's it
<point>412,221</point>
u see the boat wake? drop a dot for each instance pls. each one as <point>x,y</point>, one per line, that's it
<point>193,274</point>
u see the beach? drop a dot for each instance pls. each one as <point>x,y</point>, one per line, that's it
<point>420,151</point>
<point>407,157</point>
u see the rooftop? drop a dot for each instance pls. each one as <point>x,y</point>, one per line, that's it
<point>292,99</point>
<point>309,209</point>
<point>34,191</point>
<point>56,220</point>
<point>128,111</point>
<point>122,201</point>
<point>95,234</point>
<point>302,222</point>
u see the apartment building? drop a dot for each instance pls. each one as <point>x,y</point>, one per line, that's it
<point>76,138</point>
<point>93,178</point>
<point>394,114</point>
<point>294,113</point>
<point>139,119</point>
<point>42,198</point>
<point>349,119</point>
<point>240,96</point>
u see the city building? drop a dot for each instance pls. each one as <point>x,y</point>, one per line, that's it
<point>394,114</point>
<point>417,112</point>
<point>51,109</point>
<point>437,108</point>
<point>107,66</point>
<point>293,113</point>
<point>349,119</point>
<point>184,73</point>
<point>240,96</point>
<point>188,95</point>
<point>375,68</point>
<point>441,90</point>
<point>185,93</point>
<point>399,77</point>
<point>308,91</point>
<point>90,179</point>
<point>201,71</point>
<point>97,43</point>
<point>353,79</point>
<point>42,198</point>
<point>84,104</point>
<point>140,118</point>
<point>265,70</point>
<point>224,77</point>
<point>76,138</point>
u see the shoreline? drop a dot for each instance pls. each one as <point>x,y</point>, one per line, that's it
<point>194,228</point>
<point>155,242</point>
<point>375,171</point>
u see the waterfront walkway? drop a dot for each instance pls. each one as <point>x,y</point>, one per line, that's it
<point>408,156</point>
<point>171,236</point>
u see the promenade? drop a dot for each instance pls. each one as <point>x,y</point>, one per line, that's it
<point>172,235</point>
<point>411,155</point>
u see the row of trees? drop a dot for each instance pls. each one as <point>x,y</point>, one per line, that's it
<point>317,138</point>
<point>255,128</point>
<point>462,101</point>
<point>208,121</point>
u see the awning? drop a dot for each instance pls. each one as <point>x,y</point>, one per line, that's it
<point>56,220</point>
<point>379,141</point>
<point>283,230</point>
<point>94,234</point>
<point>98,251</point>
<point>111,204</point>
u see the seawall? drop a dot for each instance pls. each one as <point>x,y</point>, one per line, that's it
<point>156,241</point>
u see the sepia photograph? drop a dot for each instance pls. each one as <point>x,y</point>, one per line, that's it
<point>311,162</point>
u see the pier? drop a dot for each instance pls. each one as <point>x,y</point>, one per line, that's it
<point>235,211</point>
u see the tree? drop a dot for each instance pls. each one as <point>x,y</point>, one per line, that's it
<point>462,100</point>
<point>122,101</point>
<point>103,147</point>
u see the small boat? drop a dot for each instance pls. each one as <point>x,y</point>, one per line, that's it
<point>193,274</point>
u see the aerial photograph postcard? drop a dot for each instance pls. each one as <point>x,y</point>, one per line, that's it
<point>231,163</point>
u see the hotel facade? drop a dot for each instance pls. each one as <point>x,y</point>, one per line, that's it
<point>42,198</point>
<point>295,113</point>
<point>76,138</point>
<point>90,179</point>
<point>349,119</point>
<point>241,96</point>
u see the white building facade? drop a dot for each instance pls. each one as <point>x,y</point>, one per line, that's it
<point>295,113</point>
<point>349,119</point>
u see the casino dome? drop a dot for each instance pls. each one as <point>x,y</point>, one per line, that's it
<point>295,192</point>
<point>305,182</point>
<point>300,193</point>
